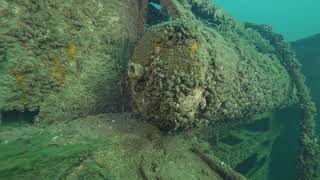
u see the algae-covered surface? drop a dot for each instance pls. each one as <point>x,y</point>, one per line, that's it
<point>120,146</point>
<point>308,52</point>
<point>152,89</point>
<point>32,153</point>
<point>52,51</point>
<point>108,146</point>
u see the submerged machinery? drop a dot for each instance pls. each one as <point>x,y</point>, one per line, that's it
<point>192,67</point>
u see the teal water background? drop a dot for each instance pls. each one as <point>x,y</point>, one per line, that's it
<point>294,19</point>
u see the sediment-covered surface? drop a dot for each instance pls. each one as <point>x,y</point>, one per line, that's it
<point>66,59</point>
<point>120,146</point>
<point>108,146</point>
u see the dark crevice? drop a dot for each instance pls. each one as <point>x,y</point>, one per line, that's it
<point>260,164</point>
<point>156,13</point>
<point>231,140</point>
<point>245,166</point>
<point>18,117</point>
<point>206,15</point>
<point>261,125</point>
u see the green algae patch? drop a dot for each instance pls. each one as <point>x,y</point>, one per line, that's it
<point>40,157</point>
<point>107,146</point>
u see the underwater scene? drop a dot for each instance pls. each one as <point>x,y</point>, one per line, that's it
<point>159,90</point>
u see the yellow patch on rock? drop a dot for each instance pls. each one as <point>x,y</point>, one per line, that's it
<point>58,71</point>
<point>72,52</point>
<point>194,47</point>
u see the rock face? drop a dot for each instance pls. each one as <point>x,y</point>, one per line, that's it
<point>185,74</point>
<point>66,59</point>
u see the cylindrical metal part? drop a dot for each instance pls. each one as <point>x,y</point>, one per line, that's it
<point>193,76</point>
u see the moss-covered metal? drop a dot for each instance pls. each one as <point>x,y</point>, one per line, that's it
<point>66,59</point>
<point>194,76</point>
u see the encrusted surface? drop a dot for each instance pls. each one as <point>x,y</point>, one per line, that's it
<point>66,59</point>
<point>193,76</point>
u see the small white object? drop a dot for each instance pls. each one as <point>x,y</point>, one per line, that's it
<point>54,138</point>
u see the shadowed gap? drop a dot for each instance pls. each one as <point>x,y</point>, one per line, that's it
<point>18,117</point>
<point>156,13</point>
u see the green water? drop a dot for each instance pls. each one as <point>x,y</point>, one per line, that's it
<point>292,18</point>
<point>285,148</point>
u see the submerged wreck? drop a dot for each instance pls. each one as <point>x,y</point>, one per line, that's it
<point>201,85</point>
